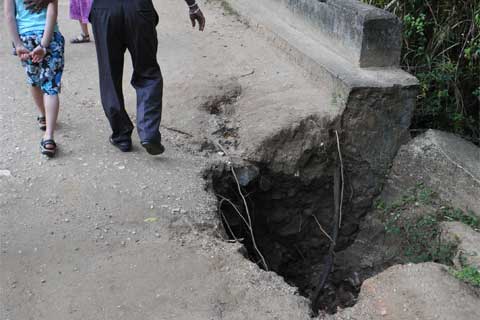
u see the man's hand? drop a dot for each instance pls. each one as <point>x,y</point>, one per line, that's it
<point>196,15</point>
<point>22,52</point>
<point>38,54</point>
<point>36,6</point>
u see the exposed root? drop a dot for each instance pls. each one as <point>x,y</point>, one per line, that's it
<point>249,225</point>
<point>338,202</point>
<point>323,230</point>
<point>340,158</point>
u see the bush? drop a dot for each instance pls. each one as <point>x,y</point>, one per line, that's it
<point>441,46</point>
<point>468,274</point>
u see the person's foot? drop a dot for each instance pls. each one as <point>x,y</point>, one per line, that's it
<point>82,38</point>
<point>48,147</point>
<point>153,148</point>
<point>124,146</point>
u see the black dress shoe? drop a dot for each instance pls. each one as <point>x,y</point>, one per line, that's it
<point>154,148</point>
<point>124,146</point>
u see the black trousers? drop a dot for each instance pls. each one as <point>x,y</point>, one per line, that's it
<point>121,25</point>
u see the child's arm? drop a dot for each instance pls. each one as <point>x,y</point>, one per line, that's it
<point>52,13</point>
<point>10,12</point>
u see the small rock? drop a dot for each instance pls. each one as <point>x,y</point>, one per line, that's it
<point>5,173</point>
<point>247,174</point>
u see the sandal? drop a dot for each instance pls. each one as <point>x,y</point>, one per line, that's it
<point>82,38</point>
<point>42,123</point>
<point>48,148</point>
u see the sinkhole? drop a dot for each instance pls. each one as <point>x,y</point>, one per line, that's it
<point>287,224</point>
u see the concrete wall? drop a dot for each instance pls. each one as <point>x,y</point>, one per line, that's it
<point>367,36</point>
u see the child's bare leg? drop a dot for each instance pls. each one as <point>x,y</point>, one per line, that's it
<point>84,28</point>
<point>52,106</point>
<point>37,95</point>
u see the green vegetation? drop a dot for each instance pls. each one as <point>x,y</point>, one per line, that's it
<point>451,214</point>
<point>416,218</point>
<point>469,275</point>
<point>441,46</point>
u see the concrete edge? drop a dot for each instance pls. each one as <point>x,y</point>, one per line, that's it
<point>316,56</point>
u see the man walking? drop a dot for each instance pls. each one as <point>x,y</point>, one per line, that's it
<point>118,26</point>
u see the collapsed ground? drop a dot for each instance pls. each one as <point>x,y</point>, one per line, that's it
<point>292,222</point>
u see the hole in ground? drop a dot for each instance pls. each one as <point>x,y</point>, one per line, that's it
<point>290,218</point>
<point>223,102</point>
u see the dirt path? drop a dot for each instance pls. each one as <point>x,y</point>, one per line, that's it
<point>96,234</point>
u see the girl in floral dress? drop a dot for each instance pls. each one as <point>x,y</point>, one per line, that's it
<point>40,47</point>
<point>80,10</point>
